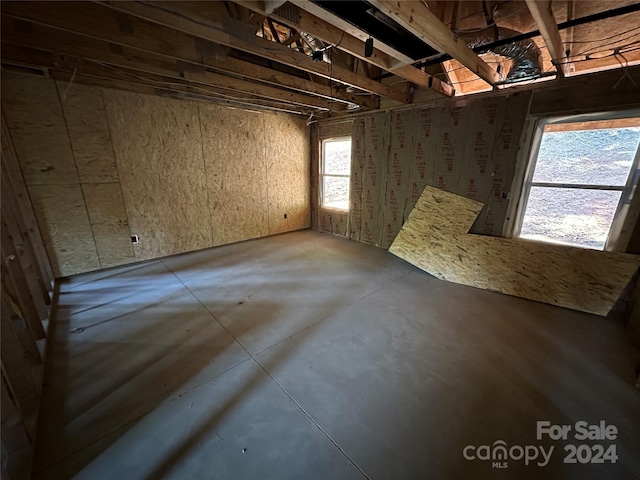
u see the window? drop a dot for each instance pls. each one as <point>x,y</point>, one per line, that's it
<point>579,183</point>
<point>335,170</point>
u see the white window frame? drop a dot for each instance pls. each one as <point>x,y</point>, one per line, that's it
<point>323,174</point>
<point>628,191</point>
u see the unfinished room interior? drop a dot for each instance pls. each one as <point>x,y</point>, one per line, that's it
<point>308,239</point>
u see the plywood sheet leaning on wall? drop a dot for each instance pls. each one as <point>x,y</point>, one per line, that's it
<point>161,170</point>
<point>288,162</point>
<point>435,239</point>
<point>234,153</point>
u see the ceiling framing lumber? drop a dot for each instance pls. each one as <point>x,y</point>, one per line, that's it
<point>91,21</point>
<point>326,32</point>
<point>416,17</point>
<point>346,42</point>
<point>319,12</point>
<point>205,20</point>
<point>25,60</point>
<point>44,38</point>
<point>546,22</point>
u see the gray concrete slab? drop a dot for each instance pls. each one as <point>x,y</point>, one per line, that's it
<point>264,292</point>
<point>122,345</point>
<point>240,425</point>
<point>325,359</point>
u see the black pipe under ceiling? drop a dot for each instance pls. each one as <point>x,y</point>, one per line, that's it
<point>369,19</point>
<point>614,12</point>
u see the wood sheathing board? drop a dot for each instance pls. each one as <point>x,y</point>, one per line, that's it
<point>38,130</point>
<point>66,231</point>
<point>435,239</point>
<point>234,152</point>
<point>470,150</point>
<point>109,223</point>
<point>88,132</point>
<point>157,143</point>
<point>90,138</point>
<point>288,173</point>
<point>180,175</point>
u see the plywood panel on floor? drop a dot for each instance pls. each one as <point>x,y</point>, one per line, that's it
<point>88,132</point>
<point>109,224</point>
<point>288,163</point>
<point>236,172</point>
<point>435,239</point>
<point>63,221</point>
<point>159,158</point>
<point>38,130</point>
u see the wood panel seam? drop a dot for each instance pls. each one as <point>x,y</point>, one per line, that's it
<point>73,156</point>
<point>206,174</point>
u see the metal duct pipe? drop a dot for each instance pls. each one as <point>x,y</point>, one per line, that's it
<point>316,44</point>
<point>525,54</point>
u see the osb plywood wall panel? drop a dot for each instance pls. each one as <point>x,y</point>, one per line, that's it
<point>234,151</point>
<point>161,168</point>
<point>435,239</point>
<point>90,138</point>
<point>89,132</point>
<point>288,174</point>
<point>64,223</point>
<point>109,223</point>
<point>38,131</point>
<point>180,175</point>
<point>470,150</point>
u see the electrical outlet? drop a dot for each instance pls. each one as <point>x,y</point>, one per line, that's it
<point>134,239</point>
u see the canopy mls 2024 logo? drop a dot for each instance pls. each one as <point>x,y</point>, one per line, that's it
<point>499,453</point>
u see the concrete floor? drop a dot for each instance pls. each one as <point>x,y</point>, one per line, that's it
<point>306,356</point>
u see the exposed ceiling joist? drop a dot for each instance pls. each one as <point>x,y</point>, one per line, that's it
<point>205,20</point>
<point>42,62</point>
<point>321,29</point>
<point>346,42</point>
<point>416,17</point>
<point>543,16</point>
<point>319,12</point>
<point>199,81</point>
<point>90,21</point>
<point>98,51</point>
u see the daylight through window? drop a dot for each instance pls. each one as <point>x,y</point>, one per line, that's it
<point>578,189</point>
<point>335,172</point>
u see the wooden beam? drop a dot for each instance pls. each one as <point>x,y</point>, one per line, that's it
<point>97,50</point>
<point>416,17</point>
<point>92,21</point>
<point>138,86</point>
<point>16,276</point>
<point>11,171</point>
<point>25,246</point>
<point>297,18</point>
<point>319,12</point>
<point>583,65</point>
<point>208,21</point>
<point>34,59</point>
<point>543,16</point>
